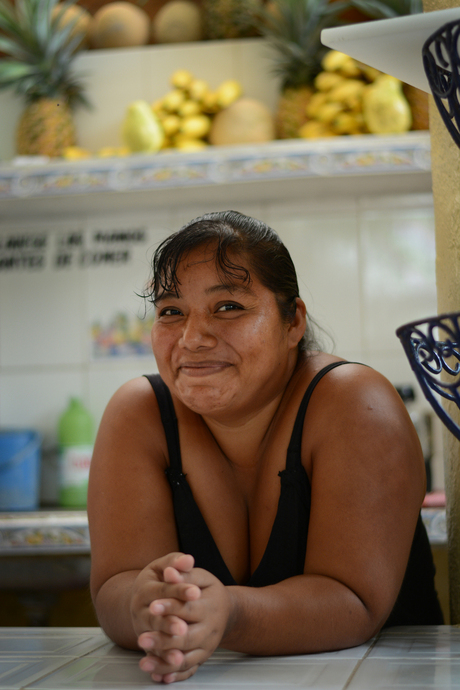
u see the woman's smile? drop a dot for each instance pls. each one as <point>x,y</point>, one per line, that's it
<point>206,368</point>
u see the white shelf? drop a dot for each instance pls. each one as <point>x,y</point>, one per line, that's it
<point>365,164</point>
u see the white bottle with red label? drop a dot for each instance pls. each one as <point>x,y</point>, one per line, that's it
<point>76,440</point>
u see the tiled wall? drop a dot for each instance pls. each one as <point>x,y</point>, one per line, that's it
<point>365,265</point>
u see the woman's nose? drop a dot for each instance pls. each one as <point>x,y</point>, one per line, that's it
<point>197,333</point>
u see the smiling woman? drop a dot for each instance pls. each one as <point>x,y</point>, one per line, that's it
<point>257,494</point>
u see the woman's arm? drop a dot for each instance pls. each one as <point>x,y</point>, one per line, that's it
<point>129,506</point>
<point>367,478</point>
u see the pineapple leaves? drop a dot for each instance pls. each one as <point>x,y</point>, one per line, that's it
<point>13,73</point>
<point>293,30</point>
<point>41,48</point>
<point>12,48</point>
<point>385,9</point>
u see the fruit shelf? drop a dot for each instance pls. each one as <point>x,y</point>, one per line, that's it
<point>358,165</point>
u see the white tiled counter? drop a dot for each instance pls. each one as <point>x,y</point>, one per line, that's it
<point>413,658</point>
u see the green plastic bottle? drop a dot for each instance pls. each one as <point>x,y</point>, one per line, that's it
<point>76,441</point>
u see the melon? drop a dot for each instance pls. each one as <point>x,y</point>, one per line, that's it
<point>246,121</point>
<point>179,21</point>
<point>80,18</point>
<point>119,25</point>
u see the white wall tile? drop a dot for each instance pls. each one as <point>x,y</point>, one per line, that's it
<point>324,249</point>
<point>41,309</point>
<point>397,271</point>
<point>107,377</point>
<point>36,398</point>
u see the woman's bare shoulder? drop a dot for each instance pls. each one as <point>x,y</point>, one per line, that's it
<point>347,377</point>
<point>132,416</point>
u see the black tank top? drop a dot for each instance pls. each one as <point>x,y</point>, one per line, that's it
<point>284,557</point>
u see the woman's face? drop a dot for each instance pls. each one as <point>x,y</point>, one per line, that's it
<point>224,351</point>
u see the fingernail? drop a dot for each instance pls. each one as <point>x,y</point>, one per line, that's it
<point>148,665</point>
<point>147,644</point>
<point>157,609</point>
<point>156,677</point>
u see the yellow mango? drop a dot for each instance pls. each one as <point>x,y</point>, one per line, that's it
<point>347,91</point>
<point>333,60</point>
<point>171,124</point>
<point>187,143</point>
<point>173,100</point>
<point>315,130</point>
<point>228,92</point>
<point>189,108</point>
<point>328,112</point>
<point>181,79</point>
<point>197,89</point>
<point>325,81</point>
<point>196,126</point>
<point>316,101</point>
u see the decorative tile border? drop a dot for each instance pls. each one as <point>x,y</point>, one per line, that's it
<point>435,522</point>
<point>337,156</point>
<point>53,532</point>
<point>64,532</point>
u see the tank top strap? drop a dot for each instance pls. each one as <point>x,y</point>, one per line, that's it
<point>169,420</point>
<point>295,444</point>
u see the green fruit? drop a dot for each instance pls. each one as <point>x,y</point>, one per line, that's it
<point>141,129</point>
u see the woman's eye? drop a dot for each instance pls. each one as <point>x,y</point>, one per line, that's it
<point>170,311</point>
<point>229,307</point>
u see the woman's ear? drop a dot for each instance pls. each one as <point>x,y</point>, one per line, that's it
<point>298,324</point>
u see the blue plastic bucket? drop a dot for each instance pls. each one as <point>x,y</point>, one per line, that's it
<point>20,455</point>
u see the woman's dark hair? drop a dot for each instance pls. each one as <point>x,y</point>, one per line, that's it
<point>232,234</point>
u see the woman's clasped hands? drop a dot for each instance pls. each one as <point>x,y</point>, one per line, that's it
<point>180,614</point>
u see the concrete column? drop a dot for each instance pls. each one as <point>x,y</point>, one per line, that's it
<point>445,165</point>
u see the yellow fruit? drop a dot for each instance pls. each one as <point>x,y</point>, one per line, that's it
<point>315,130</point>
<point>141,129</point>
<point>74,153</point>
<point>45,128</point>
<point>178,21</point>
<point>370,73</point>
<point>173,100</point>
<point>157,106</point>
<point>333,60</point>
<point>196,126</point>
<point>246,121</point>
<point>325,81</point>
<point>185,143</point>
<point>316,101</point>
<point>328,112</point>
<point>189,108</point>
<point>350,69</point>
<point>209,103</point>
<point>181,79</point>
<point>197,89</point>
<point>113,151</point>
<point>347,91</point>
<point>119,24</point>
<point>171,125</point>
<point>385,109</point>
<point>346,123</point>
<point>228,92</point>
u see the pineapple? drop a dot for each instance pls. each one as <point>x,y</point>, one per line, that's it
<point>39,51</point>
<point>230,18</point>
<point>385,9</point>
<point>293,29</point>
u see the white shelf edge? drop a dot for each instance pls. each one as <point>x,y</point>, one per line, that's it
<point>279,160</point>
